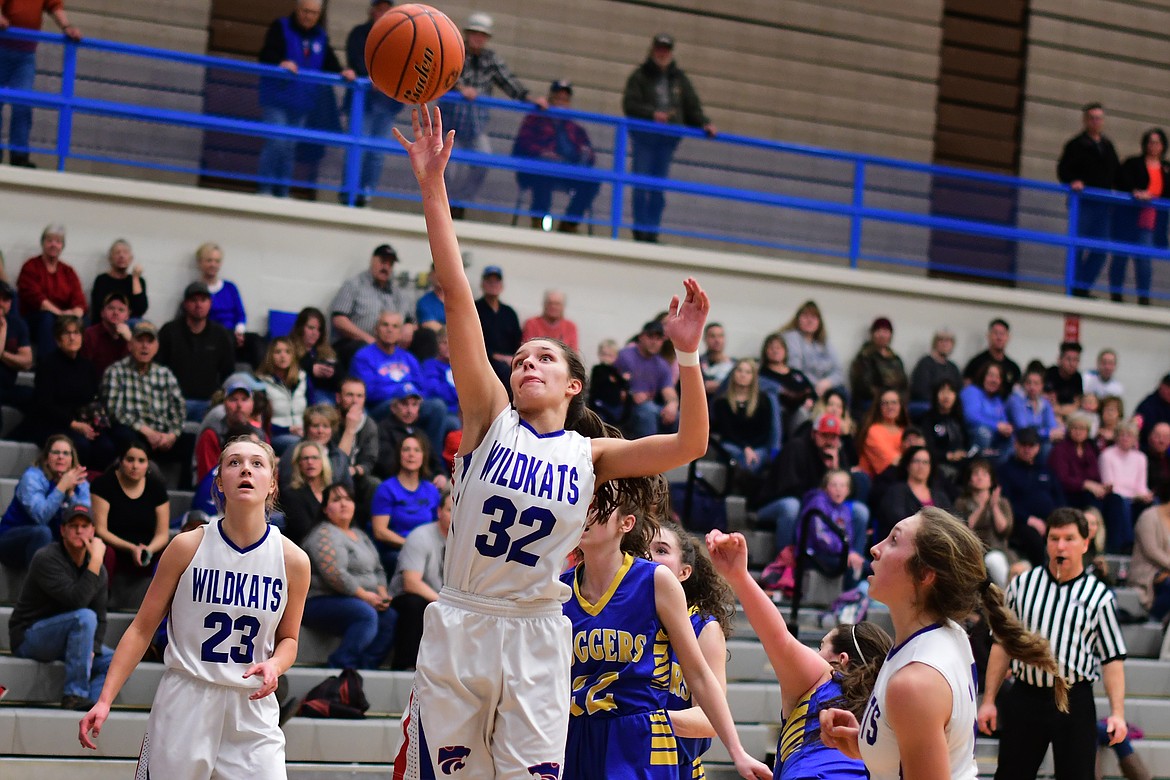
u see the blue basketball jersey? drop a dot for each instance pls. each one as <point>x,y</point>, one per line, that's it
<point>800,752</point>
<point>690,749</point>
<point>621,656</point>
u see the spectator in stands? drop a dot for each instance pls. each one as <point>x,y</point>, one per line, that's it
<point>715,362</point>
<point>65,398</point>
<point>876,368</point>
<point>1102,381</point>
<point>880,437</point>
<point>359,302</point>
<point>791,387</point>
<point>125,277</point>
<point>988,428</point>
<point>989,515</point>
<point>801,467</point>
<point>609,390</point>
<point>1032,410</point>
<point>18,68</point>
<point>145,403</point>
<point>1146,177</point>
<point>297,42</point>
<point>501,327</point>
<point>227,305</point>
<point>429,311</point>
<point>310,342</point>
<point>437,381</point>
<point>418,580</point>
<point>945,430</point>
<point>1154,409</point>
<point>44,494</point>
<point>48,287</point>
<point>380,109</point>
<point>809,350</point>
<point>552,323</point>
<point>743,421</point>
<point>238,406</point>
<point>655,401</point>
<point>558,140</point>
<point>132,515</point>
<point>1033,491</point>
<point>483,69</point>
<point>998,335</point>
<point>1149,567</point>
<point>108,340</point>
<point>1111,412</point>
<point>15,350</point>
<point>1063,383</point>
<point>321,423</point>
<point>932,369</point>
<point>658,91</point>
<point>285,386</point>
<point>347,593</point>
<point>914,488</point>
<point>403,502</point>
<point>1157,451</point>
<point>830,504</point>
<point>301,502</point>
<point>1074,462</point>
<point>61,613</point>
<point>888,477</point>
<point>1089,160</point>
<point>1124,469</point>
<point>400,423</point>
<point>199,351</point>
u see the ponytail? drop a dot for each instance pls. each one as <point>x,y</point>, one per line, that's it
<point>1019,643</point>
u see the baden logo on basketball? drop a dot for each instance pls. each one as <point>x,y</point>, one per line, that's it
<point>423,69</point>
<point>453,758</point>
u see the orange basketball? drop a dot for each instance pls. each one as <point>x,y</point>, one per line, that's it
<point>414,53</point>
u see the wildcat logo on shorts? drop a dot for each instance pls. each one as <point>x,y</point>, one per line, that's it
<point>546,771</point>
<point>451,758</point>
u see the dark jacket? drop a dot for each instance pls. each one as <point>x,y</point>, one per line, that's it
<point>63,388</point>
<point>200,361</point>
<point>1094,164</point>
<point>799,468</point>
<point>1135,176</point>
<point>1032,490</point>
<point>55,585</point>
<point>731,424</point>
<point>391,432</point>
<point>1152,410</point>
<point>638,98</point>
<point>872,372</point>
<point>899,502</point>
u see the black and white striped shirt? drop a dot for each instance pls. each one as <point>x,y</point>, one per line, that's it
<point>1079,619</point>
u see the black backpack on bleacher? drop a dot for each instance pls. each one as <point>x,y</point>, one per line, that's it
<point>337,697</point>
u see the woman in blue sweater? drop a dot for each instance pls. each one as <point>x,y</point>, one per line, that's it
<point>988,428</point>
<point>55,481</point>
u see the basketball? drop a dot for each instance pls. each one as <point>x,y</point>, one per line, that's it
<point>414,53</point>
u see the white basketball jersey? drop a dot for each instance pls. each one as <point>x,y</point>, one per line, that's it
<point>944,648</point>
<point>520,504</point>
<point>226,608</point>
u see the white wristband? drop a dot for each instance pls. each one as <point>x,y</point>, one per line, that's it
<point>686,358</point>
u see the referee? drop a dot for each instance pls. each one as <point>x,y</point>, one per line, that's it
<point>1076,613</point>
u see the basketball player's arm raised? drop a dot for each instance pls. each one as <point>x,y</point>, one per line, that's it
<point>481,395</point>
<point>671,605</point>
<point>798,667</point>
<point>155,605</point>
<point>617,458</point>
<point>284,655</point>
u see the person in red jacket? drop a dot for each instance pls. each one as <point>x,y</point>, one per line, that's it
<point>47,288</point>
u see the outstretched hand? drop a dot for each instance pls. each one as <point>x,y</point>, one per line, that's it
<point>685,320</point>
<point>430,150</point>
<point>728,552</point>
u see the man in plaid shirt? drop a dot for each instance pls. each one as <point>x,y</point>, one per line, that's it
<point>143,398</point>
<point>482,69</point>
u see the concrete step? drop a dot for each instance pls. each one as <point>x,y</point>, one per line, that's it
<point>15,457</point>
<point>1155,754</point>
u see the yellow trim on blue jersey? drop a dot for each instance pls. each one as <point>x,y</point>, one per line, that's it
<point>663,747</point>
<point>792,733</point>
<point>594,610</point>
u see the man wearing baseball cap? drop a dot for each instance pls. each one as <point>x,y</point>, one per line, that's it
<point>108,340</point>
<point>801,467</point>
<point>239,392</point>
<point>651,383</point>
<point>200,351</point>
<point>557,140</point>
<point>355,309</point>
<point>15,350</point>
<point>500,323</point>
<point>61,614</point>
<point>658,91</point>
<point>483,69</point>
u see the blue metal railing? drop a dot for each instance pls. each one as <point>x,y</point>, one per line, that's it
<point>863,209</point>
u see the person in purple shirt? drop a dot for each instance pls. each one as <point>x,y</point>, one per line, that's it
<point>386,368</point>
<point>651,383</point>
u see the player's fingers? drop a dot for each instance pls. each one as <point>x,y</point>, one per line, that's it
<point>438,123</point>
<point>673,308</point>
<point>415,124</point>
<point>398,136</point>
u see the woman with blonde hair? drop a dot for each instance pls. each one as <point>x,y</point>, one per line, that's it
<point>809,350</point>
<point>743,420</point>
<point>301,501</point>
<point>286,387</point>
